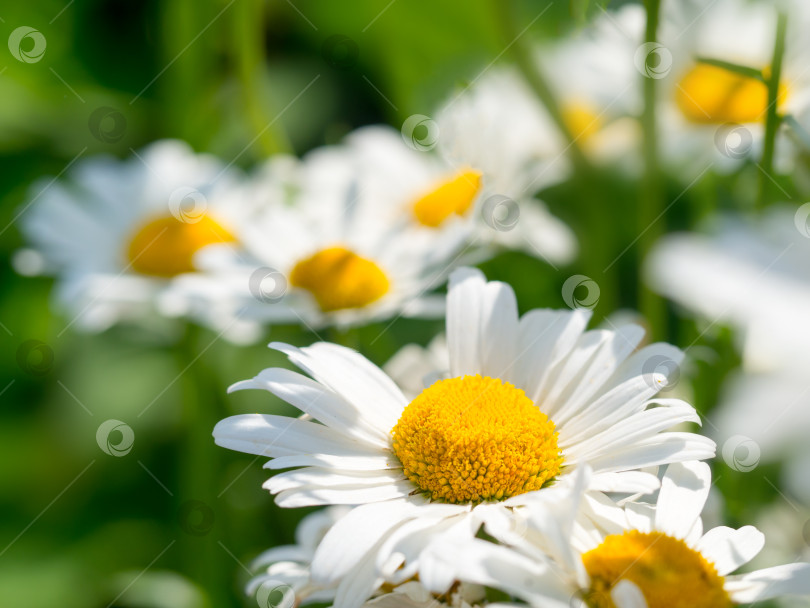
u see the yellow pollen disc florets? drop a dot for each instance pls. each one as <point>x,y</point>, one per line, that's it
<point>452,196</point>
<point>472,439</point>
<point>165,247</point>
<point>668,572</point>
<point>709,94</point>
<point>581,119</point>
<point>338,278</point>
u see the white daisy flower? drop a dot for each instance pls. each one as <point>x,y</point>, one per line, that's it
<point>647,556</point>
<point>490,149</point>
<point>710,115</point>
<point>117,233</point>
<point>597,88</point>
<point>752,274</point>
<point>527,402</point>
<point>414,595</point>
<point>287,572</point>
<point>324,251</point>
<point>290,564</point>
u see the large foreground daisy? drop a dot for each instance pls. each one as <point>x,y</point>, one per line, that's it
<point>526,402</point>
<point>644,555</point>
<point>118,233</point>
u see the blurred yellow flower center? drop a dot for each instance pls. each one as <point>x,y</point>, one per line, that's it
<point>165,247</point>
<point>452,196</point>
<point>668,572</point>
<point>338,278</point>
<point>472,439</point>
<point>581,119</point>
<point>712,95</point>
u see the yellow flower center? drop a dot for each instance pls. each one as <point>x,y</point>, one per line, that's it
<point>454,195</point>
<point>667,571</point>
<point>165,247</point>
<point>338,278</point>
<point>472,439</point>
<point>581,119</point>
<point>712,95</point>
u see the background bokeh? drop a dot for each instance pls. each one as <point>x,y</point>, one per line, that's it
<point>175,521</point>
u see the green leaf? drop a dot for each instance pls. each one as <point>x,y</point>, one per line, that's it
<point>742,70</point>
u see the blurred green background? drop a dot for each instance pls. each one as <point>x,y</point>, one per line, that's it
<point>174,521</point>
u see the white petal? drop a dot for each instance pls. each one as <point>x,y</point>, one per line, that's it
<point>499,331</point>
<point>790,579</point>
<point>309,496</point>
<point>684,490</point>
<point>353,377</point>
<point>626,595</point>
<point>595,359</point>
<point>330,478</point>
<point>317,401</point>
<point>377,462</point>
<point>353,536</point>
<point>546,337</point>
<point>640,516</point>
<point>638,427</point>
<point>663,448</point>
<point>273,436</point>
<point>728,549</point>
<point>635,482</point>
<point>464,302</point>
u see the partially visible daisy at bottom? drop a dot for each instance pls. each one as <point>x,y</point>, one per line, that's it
<point>526,402</point>
<point>641,556</point>
<point>286,579</point>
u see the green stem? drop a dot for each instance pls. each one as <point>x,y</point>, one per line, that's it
<point>248,44</point>
<point>772,118</point>
<point>522,55</point>
<point>588,183</point>
<point>204,561</point>
<point>652,199</point>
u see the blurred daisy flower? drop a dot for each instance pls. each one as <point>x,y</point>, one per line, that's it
<point>711,114</point>
<point>525,403</point>
<point>322,251</point>
<point>118,233</point>
<point>482,178</point>
<point>642,556</point>
<point>752,274</point>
